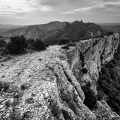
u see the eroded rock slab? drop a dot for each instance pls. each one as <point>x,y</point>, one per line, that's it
<point>48,85</point>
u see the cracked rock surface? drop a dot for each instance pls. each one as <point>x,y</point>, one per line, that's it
<point>48,85</point>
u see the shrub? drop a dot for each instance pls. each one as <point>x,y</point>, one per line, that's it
<point>66,115</point>
<point>31,43</point>
<point>46,45</point>
<point>54,107</point>
<point>2,43</point>
<point>84,70</point>
<point>15,115</point>
<point>71,44</point>
<point>109,33</point>
<point>17,45</point>
<point>90,97</point>
<point>7,104</point>
<point>65,47</point>
<point>82,59</point>
<point>39,45</point>
<point>30,100</point>
<point>64,41</point>
<point>100,95</point>
<point>25,86</point>
<point>27,115</point>
<point>4,87</point>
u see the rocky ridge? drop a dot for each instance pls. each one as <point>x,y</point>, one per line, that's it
<point>49,85</point>
<point>51,33</point>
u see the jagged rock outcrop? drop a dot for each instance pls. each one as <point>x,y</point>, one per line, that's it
<point>50,85</point>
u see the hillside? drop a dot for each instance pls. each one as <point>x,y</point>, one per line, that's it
<point>113,27</point>
<point>53,32</point>
<point>7,27</point>
<point>57,84</point>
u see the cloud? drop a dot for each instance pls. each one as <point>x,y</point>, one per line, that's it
<point>9,7</point>
<point>15,6</point>
<point>45,8</point>
<point>116,3</point>
<point>68,12</point>
<point>100,6</point>
<point>85,9</point>
<point>58,9</point>
<point>88,9</point>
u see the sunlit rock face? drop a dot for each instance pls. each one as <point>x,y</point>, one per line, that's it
<point>91,55</point>
<point>51,85</point>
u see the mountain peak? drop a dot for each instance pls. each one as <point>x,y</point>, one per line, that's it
<point>53,32</point>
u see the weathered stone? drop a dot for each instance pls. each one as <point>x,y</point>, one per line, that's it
<point>47,85</point>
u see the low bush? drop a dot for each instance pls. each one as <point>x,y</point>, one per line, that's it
<point>54,107</point>
<point>25,86</point>
<point>64,41</point>
<point>109,33</point>
<point>39,45</point>
<point>4,86</point>
<point>2,43</point>
<point>84,70</point>
<point>90,97</point>
<point>66,115</point>
<point>31,43</point>
<point>65,47</point>
<point>30,100</point>
<point>16,45</point>
<point>71,44</point>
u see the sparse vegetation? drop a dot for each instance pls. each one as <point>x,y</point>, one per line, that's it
<point>90,97</point>
<point>30,100</point>
<point>2,43</point>
<point>25,86</point>
<point>66,115</point>
<point>109,33</point>
<point>55,110</point>
<point>15,115</point>
<point>109,82</point>
<point>64,41</point>
<point>67,45</point>
<point>39,45</point>
<point>4,86</point>
<point>7,104</point>
<point>31,43</point>
<point>17,45</point>
<point>84,70</point>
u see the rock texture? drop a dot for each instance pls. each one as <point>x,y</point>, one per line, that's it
<point>48,85</point>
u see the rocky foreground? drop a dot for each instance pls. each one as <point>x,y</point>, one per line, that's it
<point>49,85</point>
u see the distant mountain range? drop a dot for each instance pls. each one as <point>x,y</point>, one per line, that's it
<point>113,27</point>
<point>6,27</point>
<point>53,32</point>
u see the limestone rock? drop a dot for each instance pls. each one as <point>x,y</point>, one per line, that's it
<point>48,85</point>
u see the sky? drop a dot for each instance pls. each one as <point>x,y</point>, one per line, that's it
<point>43,11</point>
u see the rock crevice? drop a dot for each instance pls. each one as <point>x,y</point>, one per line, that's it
<point>52,84</point>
